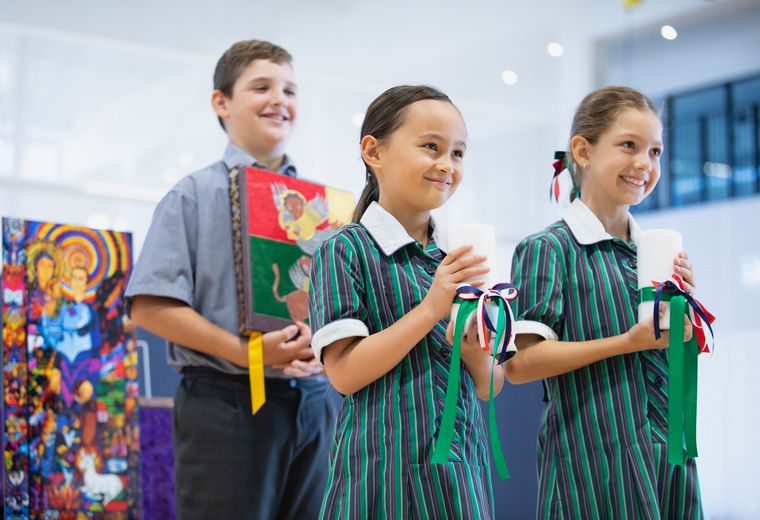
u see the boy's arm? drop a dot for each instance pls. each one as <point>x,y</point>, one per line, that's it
<point>179,323</point>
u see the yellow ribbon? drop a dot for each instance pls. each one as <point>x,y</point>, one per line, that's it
<point>256,371</point>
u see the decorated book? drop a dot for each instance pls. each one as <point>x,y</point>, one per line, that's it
<point>277,224</point>
<point>69,373</point>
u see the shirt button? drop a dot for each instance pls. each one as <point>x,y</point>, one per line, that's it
<point>659,381</point>
<point>446,350</point>
<point>429,269</point>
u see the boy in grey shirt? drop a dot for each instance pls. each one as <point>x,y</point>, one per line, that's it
<point>228,462</point>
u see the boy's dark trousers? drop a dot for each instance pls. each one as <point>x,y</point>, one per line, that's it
<point>230,464</point>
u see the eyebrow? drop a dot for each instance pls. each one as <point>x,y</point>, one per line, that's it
<point>637,136</point>
<point>434,135</point>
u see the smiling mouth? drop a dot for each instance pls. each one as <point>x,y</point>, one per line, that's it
<point>441,182</point>
<point>633,181</point>
<point>276,117</point>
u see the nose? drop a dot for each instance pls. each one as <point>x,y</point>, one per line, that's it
<point>445,166</point>
<point>643,162</point>
<point>279,99</point>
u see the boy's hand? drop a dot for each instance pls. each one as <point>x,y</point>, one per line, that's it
<point>452,272</point>
<point>282,346</point>
<point>285,345</point>
<point>298,368</point>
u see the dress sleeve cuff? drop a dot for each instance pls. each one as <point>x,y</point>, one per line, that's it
<point>535,327</point>
<point>332,332</point>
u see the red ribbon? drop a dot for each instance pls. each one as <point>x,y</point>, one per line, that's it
<point>560,164</point>
<point>701,318</point>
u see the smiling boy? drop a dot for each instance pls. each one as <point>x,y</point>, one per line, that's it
<point>228,462</point>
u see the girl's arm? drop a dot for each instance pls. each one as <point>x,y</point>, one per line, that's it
<point>353,363</point>
<point>538,358</point>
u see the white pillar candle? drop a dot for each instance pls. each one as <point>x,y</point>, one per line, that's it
<point>657,248</point>
<point>482,238</point>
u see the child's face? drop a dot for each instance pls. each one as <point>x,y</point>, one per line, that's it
<point>420,163</point>
<point>262,110</point>
<point>624,165</point>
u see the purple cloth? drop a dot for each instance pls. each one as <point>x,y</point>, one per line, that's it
<point>157,462</point>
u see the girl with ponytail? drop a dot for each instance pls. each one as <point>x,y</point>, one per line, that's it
<point>381,292</point>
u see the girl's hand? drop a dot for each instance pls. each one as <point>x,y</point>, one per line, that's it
<point>641,336</point>
<point>471,348</point>
<point>683,268</point>
<point>453,271</point>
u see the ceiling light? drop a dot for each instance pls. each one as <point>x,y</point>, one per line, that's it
<point>509,77</point>
<point>669,32</point>
<point>555,49</point>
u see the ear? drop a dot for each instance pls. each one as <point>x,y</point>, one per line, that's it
<point>581,149</point>
<point>219,103</point>
<point>371,148</point>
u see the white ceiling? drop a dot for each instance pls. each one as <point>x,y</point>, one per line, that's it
<point>95,94</point>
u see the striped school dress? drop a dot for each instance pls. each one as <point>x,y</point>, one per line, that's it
<point>364,279</point>
<point>602,447</point>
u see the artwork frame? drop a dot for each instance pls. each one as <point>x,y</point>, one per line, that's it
<point>71,431</point>
<point>277,223</point>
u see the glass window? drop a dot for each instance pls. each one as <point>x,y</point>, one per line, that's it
<point>712,147</point>
<point>746,136</point>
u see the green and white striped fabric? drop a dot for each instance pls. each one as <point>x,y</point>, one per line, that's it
<point>602,447</point>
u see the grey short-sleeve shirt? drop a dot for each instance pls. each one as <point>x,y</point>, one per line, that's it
<point>188,254</point>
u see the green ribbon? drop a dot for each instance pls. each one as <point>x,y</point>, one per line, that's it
<point>682,381</point>
<point>446,433</point>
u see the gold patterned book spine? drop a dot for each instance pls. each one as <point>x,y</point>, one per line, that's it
<point>237,241</point>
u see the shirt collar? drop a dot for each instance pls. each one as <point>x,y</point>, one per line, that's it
<point>235,156</point>
<point>387,231</point>
<point>588,229</point>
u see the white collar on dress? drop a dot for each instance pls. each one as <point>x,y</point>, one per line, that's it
<point>588,229</point>
<point>387,231</point>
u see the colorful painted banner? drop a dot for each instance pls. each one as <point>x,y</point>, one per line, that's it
<point>277,223</point>
<point>71,438</point>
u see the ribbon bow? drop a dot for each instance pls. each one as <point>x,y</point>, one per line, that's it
<point>560,164</point>
<point>471,299</point>
<point>500,294</point>
<point>698,314</point>
<point>682,362</point>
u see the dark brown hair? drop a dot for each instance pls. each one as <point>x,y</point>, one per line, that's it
<point>235,59</point>
<point>384,115</point>
<point>597,113</point>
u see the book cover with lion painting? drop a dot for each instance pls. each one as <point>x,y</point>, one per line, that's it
<point>277,224</point>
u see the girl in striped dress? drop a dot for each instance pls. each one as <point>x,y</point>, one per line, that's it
<point>381,293</point>
<point>602,448</point>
